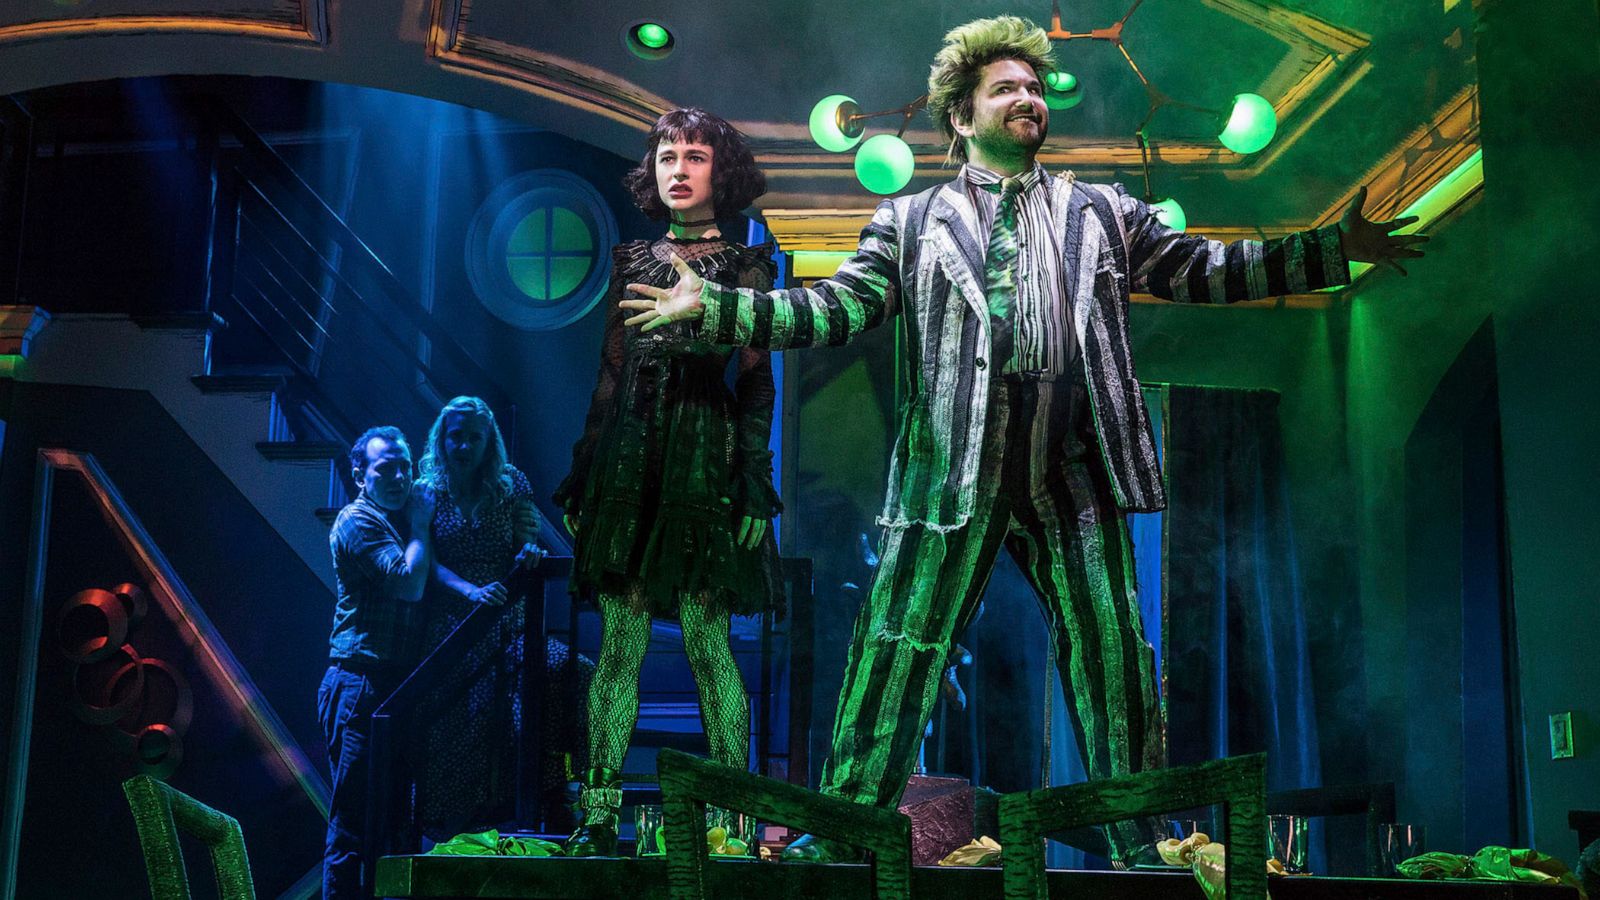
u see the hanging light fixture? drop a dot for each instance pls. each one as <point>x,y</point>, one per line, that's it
<point>1170,214</point>
<point>1251,124</point>
<point>835,123</point>
<point>1250,121</point>
<point>884,163</point>
<point>648,40</point>
<point>1062,90</point>
<point>1168,211</point>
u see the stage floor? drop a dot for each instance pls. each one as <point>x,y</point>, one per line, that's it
<point>437,877</point>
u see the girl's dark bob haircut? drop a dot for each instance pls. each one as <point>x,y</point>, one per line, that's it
<point>735,180</point>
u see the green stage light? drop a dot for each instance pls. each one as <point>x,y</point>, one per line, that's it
<point>1251,124</point>
<point>884,164</point>
<point>1170,214</point>
<point>1062,90</point>
<point>649,40</point>
<point>653,36</point>
<point>831,126</point>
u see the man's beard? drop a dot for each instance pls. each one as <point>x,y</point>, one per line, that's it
<point>996,138</point>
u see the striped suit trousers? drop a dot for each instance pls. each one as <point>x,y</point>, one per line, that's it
<point>1045,496</point>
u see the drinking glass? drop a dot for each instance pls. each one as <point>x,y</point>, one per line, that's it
<point>1286,838</point>
<point>1398,842</point>
<point>1182,828</point>
<point>650,836</point>
<point>737,836</point>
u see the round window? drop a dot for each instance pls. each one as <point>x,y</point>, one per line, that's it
<point>536,249</point>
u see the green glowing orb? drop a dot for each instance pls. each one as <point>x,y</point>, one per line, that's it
<point>884,164</point>
<point>1251,124</point>
<point>1170,214</point>
<point>1062,90</point>
<point>653,36</point>
<point>825,124</point>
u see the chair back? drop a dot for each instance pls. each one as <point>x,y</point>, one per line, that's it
<point>160,812</point>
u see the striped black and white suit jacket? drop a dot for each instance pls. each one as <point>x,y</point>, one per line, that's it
<point>922,256</point>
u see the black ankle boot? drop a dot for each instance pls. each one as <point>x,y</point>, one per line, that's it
<point>598,802</point>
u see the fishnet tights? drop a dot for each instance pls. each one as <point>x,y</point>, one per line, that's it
<point>614,691</point>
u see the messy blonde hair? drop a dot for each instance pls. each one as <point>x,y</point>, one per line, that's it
<point>958,68</point>
<point>494,480</point>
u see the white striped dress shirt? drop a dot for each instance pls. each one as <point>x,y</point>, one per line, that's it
<point>1043,339</point>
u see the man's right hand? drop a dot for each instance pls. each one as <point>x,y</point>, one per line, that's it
<point>662,306</point>
<point>491,594</point>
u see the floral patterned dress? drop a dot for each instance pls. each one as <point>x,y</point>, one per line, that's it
<point>674,450</point>
<point>467,773</point>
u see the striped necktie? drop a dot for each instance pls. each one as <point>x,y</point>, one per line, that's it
<point>999,268</point>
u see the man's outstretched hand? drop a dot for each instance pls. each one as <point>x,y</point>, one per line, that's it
<point>1371,242</point>
<point>662,306</point>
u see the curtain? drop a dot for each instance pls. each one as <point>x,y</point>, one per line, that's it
<point>1221,597</point>
<point>1238,669</point>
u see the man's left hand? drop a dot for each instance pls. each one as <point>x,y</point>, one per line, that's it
<point>1372,242</point>
<point>525,519</point>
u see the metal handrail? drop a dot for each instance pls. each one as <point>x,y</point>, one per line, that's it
<point>396,712</point>
<point>340,256</point>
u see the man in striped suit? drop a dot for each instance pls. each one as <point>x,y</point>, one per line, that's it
<point>1024,425</point>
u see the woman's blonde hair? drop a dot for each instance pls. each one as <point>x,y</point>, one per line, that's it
<point>495,481</point>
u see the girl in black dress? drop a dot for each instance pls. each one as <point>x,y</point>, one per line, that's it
<point>696,547</point>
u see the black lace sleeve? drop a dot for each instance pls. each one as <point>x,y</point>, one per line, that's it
<point>569,494</point>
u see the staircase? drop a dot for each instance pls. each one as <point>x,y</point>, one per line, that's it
<point>305,339</point>
<point>239,421</point>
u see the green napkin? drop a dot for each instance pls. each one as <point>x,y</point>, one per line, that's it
<point>1492,863</point>
<point>490,843</point>
<point>1435,865</point>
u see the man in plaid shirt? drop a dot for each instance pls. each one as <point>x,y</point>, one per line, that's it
<point>381,557</point>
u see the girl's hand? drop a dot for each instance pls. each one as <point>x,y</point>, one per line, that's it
<point>662,306</point>
<point>530,556</point>
<point>491,594</point>
<point>751,531</point>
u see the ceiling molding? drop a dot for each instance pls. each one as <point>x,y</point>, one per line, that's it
<point>1415,165</point>
<point>584,88</point>
<point>285,21</point>
<point>1419,162</point>
<point>1320,62</point>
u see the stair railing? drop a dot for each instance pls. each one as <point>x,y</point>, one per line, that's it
<point>397,715</point>
<point>329,307</point>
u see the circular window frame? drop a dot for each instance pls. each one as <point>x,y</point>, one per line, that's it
<point>490,231</point>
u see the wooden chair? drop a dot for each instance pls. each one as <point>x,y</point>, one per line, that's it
<point>688,783</point>
<point>160,812</point>
<point>1586,822</point>
<point>1239,784</point>
<point>1374,801</point>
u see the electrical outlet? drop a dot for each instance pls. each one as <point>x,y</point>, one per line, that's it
<point>1561,744</point>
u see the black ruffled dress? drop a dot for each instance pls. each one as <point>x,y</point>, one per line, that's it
<point>674,450</point>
